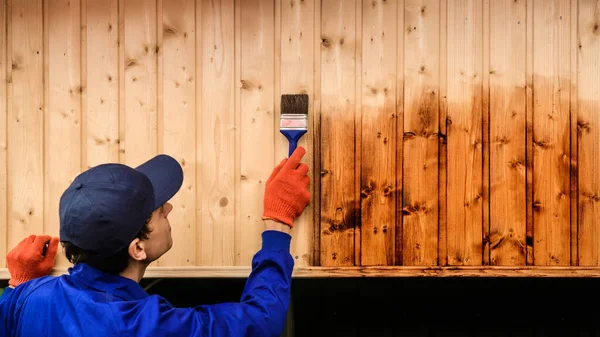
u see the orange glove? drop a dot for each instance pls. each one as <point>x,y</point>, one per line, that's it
<point>286,191</point>
<point>29,259</point>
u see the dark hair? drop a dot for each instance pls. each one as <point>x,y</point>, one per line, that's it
<point>110,265</point>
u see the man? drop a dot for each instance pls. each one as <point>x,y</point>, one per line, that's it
<point>113,224</point>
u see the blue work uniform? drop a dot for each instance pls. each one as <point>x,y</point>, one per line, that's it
<point>87,302</point>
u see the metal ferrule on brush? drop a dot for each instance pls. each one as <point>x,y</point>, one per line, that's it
<point>294,122</point>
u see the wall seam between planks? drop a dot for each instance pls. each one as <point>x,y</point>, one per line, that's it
<point>83,79</point>
<point>7,73</point>
<point>45,104</point>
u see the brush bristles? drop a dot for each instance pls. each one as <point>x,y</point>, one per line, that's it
<point>294,104</point>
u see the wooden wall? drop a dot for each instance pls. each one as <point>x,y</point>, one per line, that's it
<point>443,132</point>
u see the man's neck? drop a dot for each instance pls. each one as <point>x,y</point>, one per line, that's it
<point>134,271</point>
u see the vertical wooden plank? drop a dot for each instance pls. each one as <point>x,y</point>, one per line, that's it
<point>25,123</point>
<point>297,76</point>
<point>588,95</point>
<point>507,132</point>
<point>338,75</point>
<point>421,127</point>
<point>217,141</point>
<point>179,121</point>
<point>529,134</point>
<point>140,87</point>
<point>464,132</point>
<point>62,120</point>
<point>400,55</point>
<point>486,132</point>
<point>378,140</point>
<point>316,127</point>
<point>237,98</point>
<point>573,107</point>
<point>200,192</point>
<point>3,131</point>
<point>102,88</point>
<point>257,119</point>
<point>442,139</point>
<point>551,132</point>
<point>358,130</point>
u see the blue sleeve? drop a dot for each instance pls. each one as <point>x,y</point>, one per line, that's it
<point>7,310</point>
<point>262,309</point>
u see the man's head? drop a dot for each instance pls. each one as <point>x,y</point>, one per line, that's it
<point>113,214</point>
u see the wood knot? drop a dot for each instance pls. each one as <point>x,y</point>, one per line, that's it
<point>169,30</point>
<point>409,135</point>
<point>246,85</point>
<point>583,126</point>
<point>515,164</point>
<point>366,192</point>
<point>541,144</point>
<point>326,42</point>
<point>223,202</point>
<point>130,63</point>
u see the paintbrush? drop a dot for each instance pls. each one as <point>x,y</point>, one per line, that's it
<point>294,118</point>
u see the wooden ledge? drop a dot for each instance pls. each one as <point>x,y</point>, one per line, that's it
<point>341,272</point>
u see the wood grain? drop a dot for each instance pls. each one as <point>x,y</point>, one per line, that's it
<point>551,133</point>
<point>102,83</point>
<point>338,210</point>
<point>421,127</point>
<point>588,124</point>
<point>140,123</point>
<point>62,120</point>
<point>25,125</point>
<point>178,120</point>
<point>258,120</point>
<point>216,142</point>
<point>378,135</point>
<point>297,51</point>
<point>465,133</point>
<point>507,132</point>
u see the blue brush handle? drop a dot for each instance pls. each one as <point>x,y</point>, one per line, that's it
<point>293,136</point>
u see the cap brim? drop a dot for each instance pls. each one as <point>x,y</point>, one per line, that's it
<point>166,176</point>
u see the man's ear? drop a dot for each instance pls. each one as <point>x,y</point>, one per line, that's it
<point>137,250</point>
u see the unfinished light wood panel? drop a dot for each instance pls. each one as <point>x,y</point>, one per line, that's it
<point>551,132</point>
<point>62,120</point>
<point>464,133</point>
<point>588,89</point>
<point>338,95</point>
<point>507,132</point>
<point>178,120</point>
<point>3,180</point>
<point>297,76</point>
<point>201,80</point>
<point>257,121</point>
<point>216,141</point>
<point>378,132</point>
<point>25,109</point>
<point>421,127</point>
<point>101,83</point>
<point>139,121</point>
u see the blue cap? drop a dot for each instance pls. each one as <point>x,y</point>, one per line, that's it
<point>106,206</point>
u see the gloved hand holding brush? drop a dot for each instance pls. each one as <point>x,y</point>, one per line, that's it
<point>286,192</point>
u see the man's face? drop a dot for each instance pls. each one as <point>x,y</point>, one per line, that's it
<point>159,240</point>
